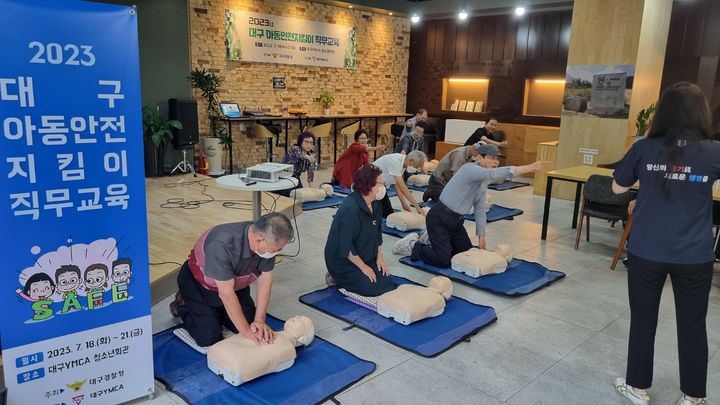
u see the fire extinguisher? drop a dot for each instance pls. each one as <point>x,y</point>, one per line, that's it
<point>204,165</point>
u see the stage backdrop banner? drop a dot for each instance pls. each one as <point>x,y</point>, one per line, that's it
<point>74,284</point>
<point>255,37</point>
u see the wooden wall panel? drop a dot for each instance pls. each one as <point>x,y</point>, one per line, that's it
<point>487,31</point>
<point>521,42</point>
<point>461,43</point>
<point>511,28</point>
<point>489,46</point>
<point>693,48</point>
<point>551,37</point>
<point>473,52</point>
<point>535,36</point>
<point>499,38</point>
<point>450,36</point>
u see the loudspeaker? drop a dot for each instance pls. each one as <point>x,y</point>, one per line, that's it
<point>185,111</point>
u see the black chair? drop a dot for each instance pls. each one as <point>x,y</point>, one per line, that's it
<point>599,201</point>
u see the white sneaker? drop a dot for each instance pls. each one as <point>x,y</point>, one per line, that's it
<point>424,238</point>
<point>404,246</point>
<point>687,401</point>
<point>628,392</point>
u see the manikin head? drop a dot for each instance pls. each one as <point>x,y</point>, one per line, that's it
<point>269,234</point>
<point>488,156</point>
<point>491,125</point>
<point>301,328</point>
<point>443,285</point>
<point>505,250</point>
<point>327,188</point>
<point>415,159</point>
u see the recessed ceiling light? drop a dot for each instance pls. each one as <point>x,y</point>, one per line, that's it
<point>350,6</point>
<point>519,11</point>
<point>390,13</point>
<point>463,15</point>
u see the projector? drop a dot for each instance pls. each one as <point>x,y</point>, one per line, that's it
<point>268,172</point>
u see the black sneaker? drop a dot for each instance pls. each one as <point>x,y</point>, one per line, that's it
<point>175,304</point>
<point>625,261</point>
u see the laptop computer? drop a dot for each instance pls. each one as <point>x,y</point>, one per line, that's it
<point>230,110</point>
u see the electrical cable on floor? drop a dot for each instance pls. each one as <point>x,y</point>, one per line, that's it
<point>173,203</point>
<point>161,263</point>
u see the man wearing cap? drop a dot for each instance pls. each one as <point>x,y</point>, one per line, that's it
<point>446,169</point>
<point>446,236</point>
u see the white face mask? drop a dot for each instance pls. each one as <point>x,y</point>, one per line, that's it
<point>267,255</point>
<point>380,194</point>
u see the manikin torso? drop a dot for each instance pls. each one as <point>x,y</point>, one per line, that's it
<point>240,360</point>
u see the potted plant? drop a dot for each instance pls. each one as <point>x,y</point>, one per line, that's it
<point>157,131</point>
<point>209,85</point>
<point>642,121</point>
<point>326,99</point>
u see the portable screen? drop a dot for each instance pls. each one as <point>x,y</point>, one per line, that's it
<point>230,109</point>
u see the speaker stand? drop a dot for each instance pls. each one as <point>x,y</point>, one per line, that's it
<point>184,166</point>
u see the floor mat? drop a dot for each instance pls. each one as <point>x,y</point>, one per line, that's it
<point>428,337</point>
<point>520,278</point>
<point>321,370</point>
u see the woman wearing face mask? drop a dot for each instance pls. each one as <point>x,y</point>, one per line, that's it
<point>355,157</point>
<point>353,252</point>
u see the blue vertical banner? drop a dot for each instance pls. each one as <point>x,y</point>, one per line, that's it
<point>74,285</point>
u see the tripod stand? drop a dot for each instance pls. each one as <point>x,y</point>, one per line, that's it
<point>184,166</point>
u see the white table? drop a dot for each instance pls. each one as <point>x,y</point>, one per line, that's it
<point>235,182</point>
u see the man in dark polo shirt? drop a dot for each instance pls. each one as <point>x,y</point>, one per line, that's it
<point>214,283</point>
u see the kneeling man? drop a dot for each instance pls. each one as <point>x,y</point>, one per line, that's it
<point>214,283</point>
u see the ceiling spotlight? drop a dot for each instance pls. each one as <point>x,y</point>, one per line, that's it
<point>519,11</point>
<point>415,18</point>
<point>463,15</point>
<point>350,6</point>
<point>390,13</point>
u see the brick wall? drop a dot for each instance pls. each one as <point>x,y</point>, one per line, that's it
<point>378,84</point>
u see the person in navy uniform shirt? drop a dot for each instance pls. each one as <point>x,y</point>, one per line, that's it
<point>353,252</point>
<point>671,236</point>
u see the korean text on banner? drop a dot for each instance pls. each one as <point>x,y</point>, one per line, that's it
<point>75,287</point>
<point>255,37</point>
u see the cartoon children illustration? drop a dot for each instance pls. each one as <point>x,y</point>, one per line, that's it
<point>96,276</point>
<point>121,272</point>
<point>38,288</point>
<point>67,279</point>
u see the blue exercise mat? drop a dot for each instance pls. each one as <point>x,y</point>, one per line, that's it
<point>394,232</point>
<point>332,201</point>
<point>496,213</point>
<point>321,370</point>
<point>520,278</point>
<point>507,185</point>
<point>428,337</point>
<point>342,190</point>
<point>417,188</point>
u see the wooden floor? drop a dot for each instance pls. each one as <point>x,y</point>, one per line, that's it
<point>173,230</point>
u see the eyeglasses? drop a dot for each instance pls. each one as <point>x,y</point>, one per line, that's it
<point>309,141</point>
